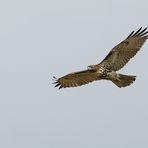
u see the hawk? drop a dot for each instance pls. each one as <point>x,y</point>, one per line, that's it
<point>117,58</point>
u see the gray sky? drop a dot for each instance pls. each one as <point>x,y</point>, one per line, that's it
<point>39,39</point>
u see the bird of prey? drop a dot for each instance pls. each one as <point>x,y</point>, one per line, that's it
<point>117,58</point>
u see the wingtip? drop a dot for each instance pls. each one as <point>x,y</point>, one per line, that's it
<point>140,27</point>
<point>56,83</point>
<point>140,32</point>
<point>60,87</point>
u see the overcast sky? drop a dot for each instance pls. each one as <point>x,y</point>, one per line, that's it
<point>43,38</point>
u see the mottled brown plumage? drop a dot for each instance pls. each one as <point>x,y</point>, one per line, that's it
<point>117,58</point>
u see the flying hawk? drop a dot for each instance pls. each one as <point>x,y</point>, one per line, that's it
<point>117,58</point>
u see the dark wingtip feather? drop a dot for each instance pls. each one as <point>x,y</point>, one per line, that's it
<point>57,85</point>
<point>145,33</point>
<point>56,82</point>
<point>140,32</point>
<point>130,34</point>
<point>54,77</point>
<point>60,87</point>
<point>137,32</point>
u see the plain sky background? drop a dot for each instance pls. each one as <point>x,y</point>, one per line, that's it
<point>44,38</point>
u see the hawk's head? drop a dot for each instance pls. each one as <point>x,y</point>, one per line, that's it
<point>92,67</point>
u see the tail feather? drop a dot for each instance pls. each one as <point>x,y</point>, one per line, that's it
<point>124,80</point>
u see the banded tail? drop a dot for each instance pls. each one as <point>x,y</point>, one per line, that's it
<point>124,80</point>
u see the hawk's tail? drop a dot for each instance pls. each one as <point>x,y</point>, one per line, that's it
<point>124,80</point>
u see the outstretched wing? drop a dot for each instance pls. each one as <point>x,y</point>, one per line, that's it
<point>123,52</point>
<point>76,79</point>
